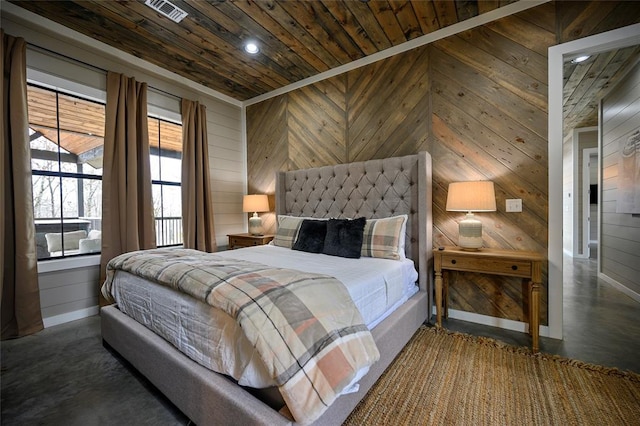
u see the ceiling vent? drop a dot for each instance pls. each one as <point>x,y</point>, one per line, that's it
<point>167,9</point>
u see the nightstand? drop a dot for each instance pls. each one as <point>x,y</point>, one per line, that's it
<point>248,240</point>
<point>525,264</point>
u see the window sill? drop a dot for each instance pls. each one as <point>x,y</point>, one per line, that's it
<point>54,265</point>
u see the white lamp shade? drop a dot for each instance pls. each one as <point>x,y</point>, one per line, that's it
<point>255,203</point>
<point>468,197</point>
<point>478,196</point>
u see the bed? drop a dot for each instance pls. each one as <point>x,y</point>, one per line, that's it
<point>373,189</point>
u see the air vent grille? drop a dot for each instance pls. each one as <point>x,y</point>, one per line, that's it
<point>167,9</point>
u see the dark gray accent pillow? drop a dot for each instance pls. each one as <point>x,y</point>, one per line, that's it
<point>311,236</point>
<point>344,237</point>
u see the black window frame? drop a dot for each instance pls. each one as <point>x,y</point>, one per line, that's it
<point>58,156</point>
<point>158,151</point>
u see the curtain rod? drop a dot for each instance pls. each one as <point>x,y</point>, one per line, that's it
<point>91,66</point>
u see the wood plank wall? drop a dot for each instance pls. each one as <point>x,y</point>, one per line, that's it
<point>489,117</point>
<point>476,100</point>
<point>267,150</point>
<point>317,123</point>
<point>387,107</point>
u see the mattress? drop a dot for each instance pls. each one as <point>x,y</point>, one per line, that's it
<point>213,339</point>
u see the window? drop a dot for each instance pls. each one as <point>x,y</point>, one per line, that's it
<point>165,143</point>
<point>66,139</point>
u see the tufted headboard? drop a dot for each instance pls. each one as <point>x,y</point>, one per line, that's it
<point>373,189</point>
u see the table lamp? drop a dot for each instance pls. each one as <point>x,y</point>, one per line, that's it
<point>478,196</point>
<point>255,203</point>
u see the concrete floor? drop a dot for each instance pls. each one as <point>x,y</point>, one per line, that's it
<point>64,376</point>
<point>600,323</point>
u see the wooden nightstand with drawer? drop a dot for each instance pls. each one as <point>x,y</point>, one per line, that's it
<point>248,240</point>
<point>525,264</point>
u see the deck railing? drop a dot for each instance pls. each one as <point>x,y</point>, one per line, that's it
<point>168,231</point>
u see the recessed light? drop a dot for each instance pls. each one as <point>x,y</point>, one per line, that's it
<point>580,59</point>
<point>251,48</point>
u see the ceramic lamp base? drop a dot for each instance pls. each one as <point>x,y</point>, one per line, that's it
<point>470,233</point>
<point>255,225</point>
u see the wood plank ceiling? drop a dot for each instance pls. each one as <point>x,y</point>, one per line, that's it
<point>78,125</point>
<point>297,39</point>
<point>585,83</point>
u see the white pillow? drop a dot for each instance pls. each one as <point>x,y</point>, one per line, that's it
<point>90,245</point>
<point>71,240</point>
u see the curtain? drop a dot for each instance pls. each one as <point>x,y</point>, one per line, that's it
<point>20,295</point>
<point>128,222</point>
<point>197,208</point>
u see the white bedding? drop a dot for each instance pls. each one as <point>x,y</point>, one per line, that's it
<point>213,339</point>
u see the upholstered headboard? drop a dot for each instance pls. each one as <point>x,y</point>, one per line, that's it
<point>373,189</point>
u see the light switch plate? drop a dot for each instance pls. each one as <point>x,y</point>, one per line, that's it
<point>514,205</point>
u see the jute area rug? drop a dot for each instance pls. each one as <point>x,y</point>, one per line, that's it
<point>446,378</point>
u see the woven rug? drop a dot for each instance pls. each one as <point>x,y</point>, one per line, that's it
<point>446,378</point>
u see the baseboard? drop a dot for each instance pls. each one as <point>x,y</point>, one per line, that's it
<point>619,286</point>
<point>70,316</point>
<point>504,323</point>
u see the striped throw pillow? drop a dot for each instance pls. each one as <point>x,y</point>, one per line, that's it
<point>384,238</point>
<point>287,232</point>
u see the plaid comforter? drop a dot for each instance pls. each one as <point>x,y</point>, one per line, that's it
<point>304,326</point>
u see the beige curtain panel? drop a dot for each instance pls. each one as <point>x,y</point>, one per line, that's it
<point>197,206</point>
<point>128,222</point>
<point>20,294</point>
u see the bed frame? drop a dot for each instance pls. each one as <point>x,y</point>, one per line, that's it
<point>375,188</point>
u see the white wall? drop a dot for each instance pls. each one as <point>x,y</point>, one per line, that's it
<point>584,138</point>
<point>567,194</point>
<point>572,210</point>
<point>68,293</point>
<point>620,243</point>
<point>594,166</point>
<point>69,287</point>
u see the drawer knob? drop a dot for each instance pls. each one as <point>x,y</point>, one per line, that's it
<point>453,261</point>
<point>514,267</point>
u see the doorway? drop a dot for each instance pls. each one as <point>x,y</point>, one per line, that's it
<point>622,37</point>
<point>590,196</point>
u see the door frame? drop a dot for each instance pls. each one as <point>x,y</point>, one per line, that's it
<point>587,153</point>
<point>621,37</point>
